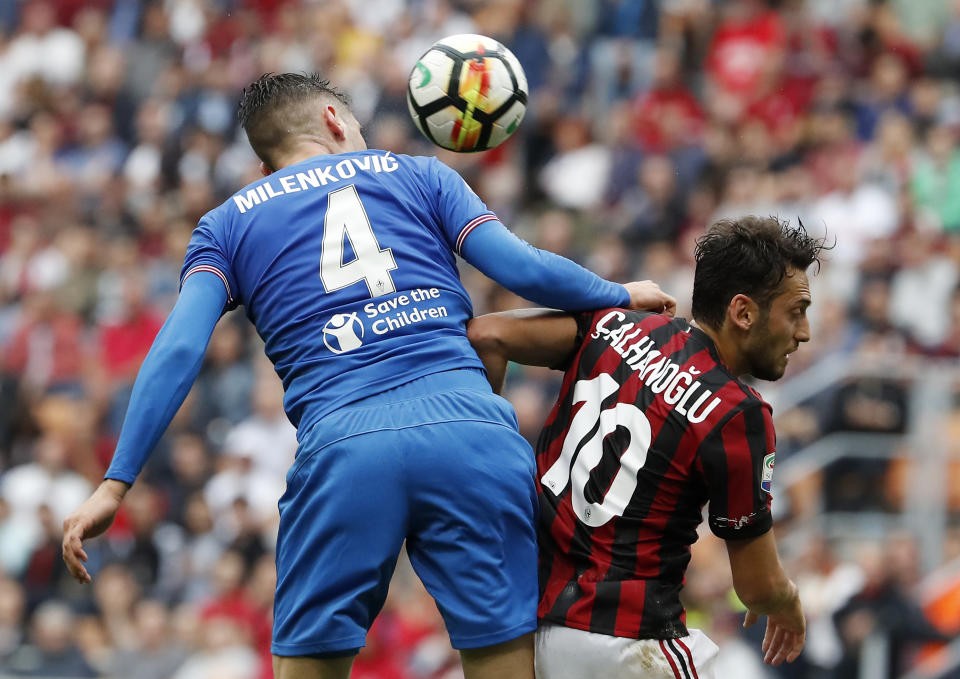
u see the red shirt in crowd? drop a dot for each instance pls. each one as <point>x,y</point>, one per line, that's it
<point>741,51</point>
<point>666,117</point>
<point>124,344</point>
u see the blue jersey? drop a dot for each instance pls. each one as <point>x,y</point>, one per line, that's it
<point>345,264</point>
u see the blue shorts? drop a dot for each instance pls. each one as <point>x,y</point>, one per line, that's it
<point>437,462</point>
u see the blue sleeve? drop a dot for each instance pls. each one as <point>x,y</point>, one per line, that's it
<point>538,275</point>
<point>167,373</point>
<point>207,252</point>
<point>475,233</point>
<point>460,209</point>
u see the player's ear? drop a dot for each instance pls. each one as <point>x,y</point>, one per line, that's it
<point>265,169</point>
<point>334,124</point>
<point>742,312</point>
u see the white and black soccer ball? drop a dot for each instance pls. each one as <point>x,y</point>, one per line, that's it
<point>467,93</point>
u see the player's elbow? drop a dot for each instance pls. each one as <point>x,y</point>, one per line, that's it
<point>178,353</point>
<point>486,334</point>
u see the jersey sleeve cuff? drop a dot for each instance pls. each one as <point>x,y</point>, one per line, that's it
<point>117,475</point>
<point>470,226</point>
<point>731,529</point>
<point>584,321</point>
<point>231,302</point>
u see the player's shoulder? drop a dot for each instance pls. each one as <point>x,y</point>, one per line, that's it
<point>418,161</point>
<point>753,402</point>
<point>603,321</point>
<point>749,403</point>
<point>219,216</point>
<point>430,164</point>
<point>618,328</point>
<point>239,202</point>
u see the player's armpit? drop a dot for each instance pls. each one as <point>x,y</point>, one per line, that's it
<point>529,336</point>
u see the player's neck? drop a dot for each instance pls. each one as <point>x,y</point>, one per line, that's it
<point>307,149</point>
<point>727,348</point>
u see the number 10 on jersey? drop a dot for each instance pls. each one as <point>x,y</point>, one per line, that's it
<point>346,217</point>
<point>583,449</point>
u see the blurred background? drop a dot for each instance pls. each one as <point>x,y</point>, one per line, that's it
<point>648,119</point>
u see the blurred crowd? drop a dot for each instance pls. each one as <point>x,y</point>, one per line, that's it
<point>648,120</point>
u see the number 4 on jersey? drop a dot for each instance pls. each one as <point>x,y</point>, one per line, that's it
<point>346,217</point>
<point>584,440</point>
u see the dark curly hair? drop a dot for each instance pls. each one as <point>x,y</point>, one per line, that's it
<point>277,106</point>
<point>749,256</point>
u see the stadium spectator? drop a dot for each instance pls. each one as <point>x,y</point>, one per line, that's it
<point>115,597</point>
<point>882,606</point>
<point>52,651</point>
<point>225,386</point>
<point>12,613</point>
<point>935,183</point>
<point>46,480</point>
<point>155,654</point>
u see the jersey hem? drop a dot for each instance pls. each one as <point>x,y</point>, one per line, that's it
<point>300,461</point>
<point>642,634</point>
<point>305,425</point>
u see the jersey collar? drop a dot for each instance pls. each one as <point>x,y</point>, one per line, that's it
<point>706,341</point>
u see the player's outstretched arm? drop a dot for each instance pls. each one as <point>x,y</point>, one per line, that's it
<point>647,296</point>
<point>529,336</point>
<point>546,278</point>
<point>164,379</point>
<point>543,336</point>
<point>765,589</point>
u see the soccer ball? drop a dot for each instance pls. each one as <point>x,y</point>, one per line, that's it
<point>467,93</point>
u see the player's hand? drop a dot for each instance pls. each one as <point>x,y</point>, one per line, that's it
<point>647,296</point>
<point>786,631</point>
<point>89,520</point>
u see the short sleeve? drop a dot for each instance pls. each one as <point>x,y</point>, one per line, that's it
<point>584,321</point>
<point>460,209</point>
<point>737,463</point>
<point>207,253</point>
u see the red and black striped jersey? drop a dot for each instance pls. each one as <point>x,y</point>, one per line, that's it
<point>649,426</point>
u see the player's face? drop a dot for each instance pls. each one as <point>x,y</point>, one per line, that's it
<point>780,329</point>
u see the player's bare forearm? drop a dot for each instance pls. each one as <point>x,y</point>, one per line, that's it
<point>530,336</point>
<point>758,576</point>
<point>495,364</point>
<point>117,489</point>
<point>765,589</point>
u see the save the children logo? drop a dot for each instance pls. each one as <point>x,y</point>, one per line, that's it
<point>343,333</point>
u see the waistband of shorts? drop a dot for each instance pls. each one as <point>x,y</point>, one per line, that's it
<point>453,395</point>
<point>434,383</point>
